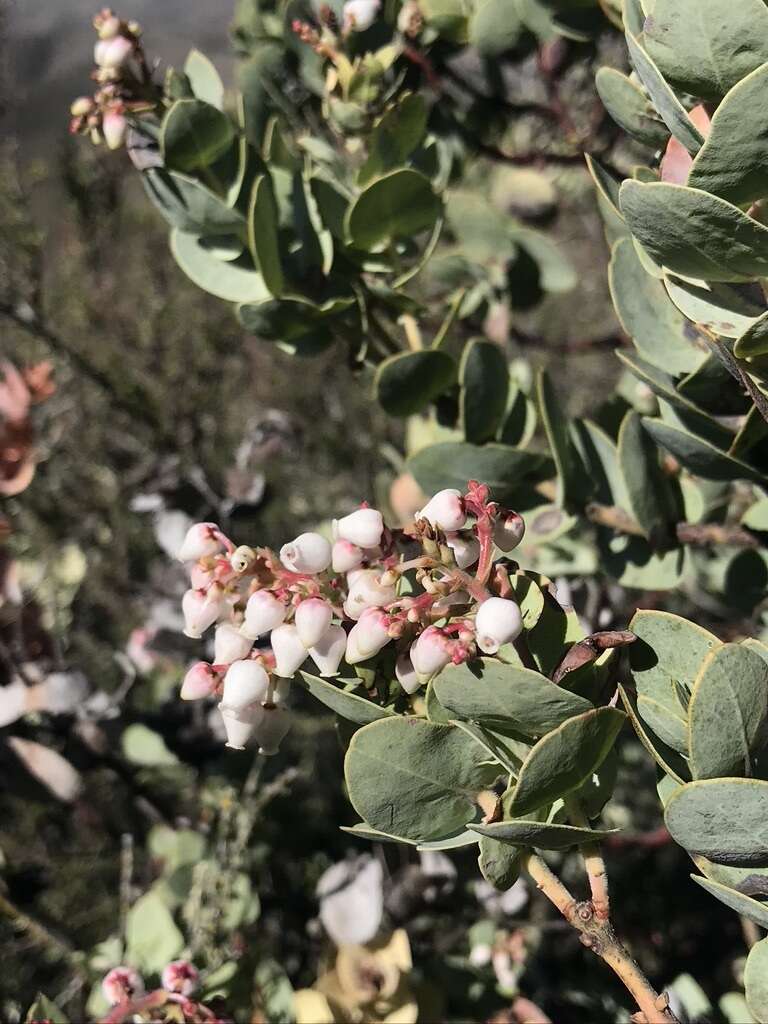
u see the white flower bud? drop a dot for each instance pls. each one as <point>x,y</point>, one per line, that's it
<point>271,730</point>
<point>290,653</point>
<point>508,533</point>
<point>239,725</point>
<point>120,984</point>
<point>82,106</point>
<point>309,553</point>
<point>498,622</point>
<point>230,644</point>
<point>346,556</point>
<point>112,53</point>
<point>368,636</point>
<point>406,674</point>
<point>263,612</point>
<point>313,617</point>
<point>430,653</point>
<point>445,510</point>
<point>200,681</point>
<point>329,651</point>
<point>465,548</point>
<point>241,558</point>
<point>363,527</point>
<point>245,683</point>
<point>367,591</point>
<point>109,27</point>
<point>359,15</point>
<point>199,542</point>
<point>201,608</point>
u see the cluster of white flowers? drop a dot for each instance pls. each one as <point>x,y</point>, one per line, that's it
<point>347,600</point>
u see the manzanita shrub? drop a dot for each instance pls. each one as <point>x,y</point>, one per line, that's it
<point>328,199</point>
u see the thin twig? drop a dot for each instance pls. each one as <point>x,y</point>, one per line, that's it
<point>594,864</point>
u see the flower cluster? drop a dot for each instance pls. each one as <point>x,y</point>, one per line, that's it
<point>124,83</point>
<point>422,598</point>
<point>124,990</point>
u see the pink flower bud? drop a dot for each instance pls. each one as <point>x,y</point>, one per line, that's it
<point>112,53</point>
<point>114,127</point>
<point>290,653</point>
<point>271,729</point>
<point>309,553</point>
<point>313,617</point>
<point>363,527</point>
<point>200,681</point>
<point>109,27</point>
<point>121,984</point>
<point>239,725</point>
<point>245,683</point>
<point>180,976</point>
<point>82,106</point>
<point>263,612</point>
<point>201,576</point>
<point>346,556</point>
<point>367,591</point>
<point>445,510</point>
<point>498,621</point>
<point>430,653</point>
<point>230,645</point>
<point>359,15</point>
<point>201,608</point>
<point>329,651</point>
<point>201,541</point>
<point>406,674</point>
<point>508,532</point>
<point>465,548</point>
<point>368,636</point>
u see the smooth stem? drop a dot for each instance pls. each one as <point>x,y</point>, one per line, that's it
<point>594,863</point>
<point>598,935</point>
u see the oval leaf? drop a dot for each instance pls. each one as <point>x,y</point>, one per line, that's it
<point>194,135</point>
<point>452,463</point>
<point>484,384</point>
<point>348,705</point>
<point>722,819</point>
<point>404,384</point>
<point>233,280</point>
<point>543,835</point>
<point>399,205</point>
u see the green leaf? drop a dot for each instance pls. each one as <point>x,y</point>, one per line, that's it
<point>706,48</point>
<point>722,819</point>
<point>263,235</point>
<point>647,486</point>
<point>44,1008</point>
<point>732,162</point>
<point>756,976</point>
<point>194,135</point>
<point>728,712</point>
<point>495,27</point>
<point>452,463</point>
<point>694,233</point>
<point>297,325</point>
<point>556,272</point>
<point>394,137</point>
<point>204,79</point>
<point>542,835</point>
<point>505,750</point>
<point>699,456</point>
<point>151,936</point>
<point>348,705</point>
<point>754,341</point>
<point>669,652</point>
<point>630,109</point>
<point>145,747</point>
<point>409,777</point>
<point>721,308</point>
<point>189,206</point>
<point>405,383</point>
<point>528,595</point>
<point>668,106</point>
<point>515,698</point>
<point>570,471</point>
<point>499,863</point>
<point>663,336</point>
<point>555,631</point>
<point>400,204</point>
<point>519,424</point>
<point>483,232</point>
<point>566,758</point>
<point>665,757</point>
<point>744,905</point>
<point>484,381</point>
<point>234,280</point>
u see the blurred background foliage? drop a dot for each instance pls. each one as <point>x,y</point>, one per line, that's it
<point>125,831</point>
